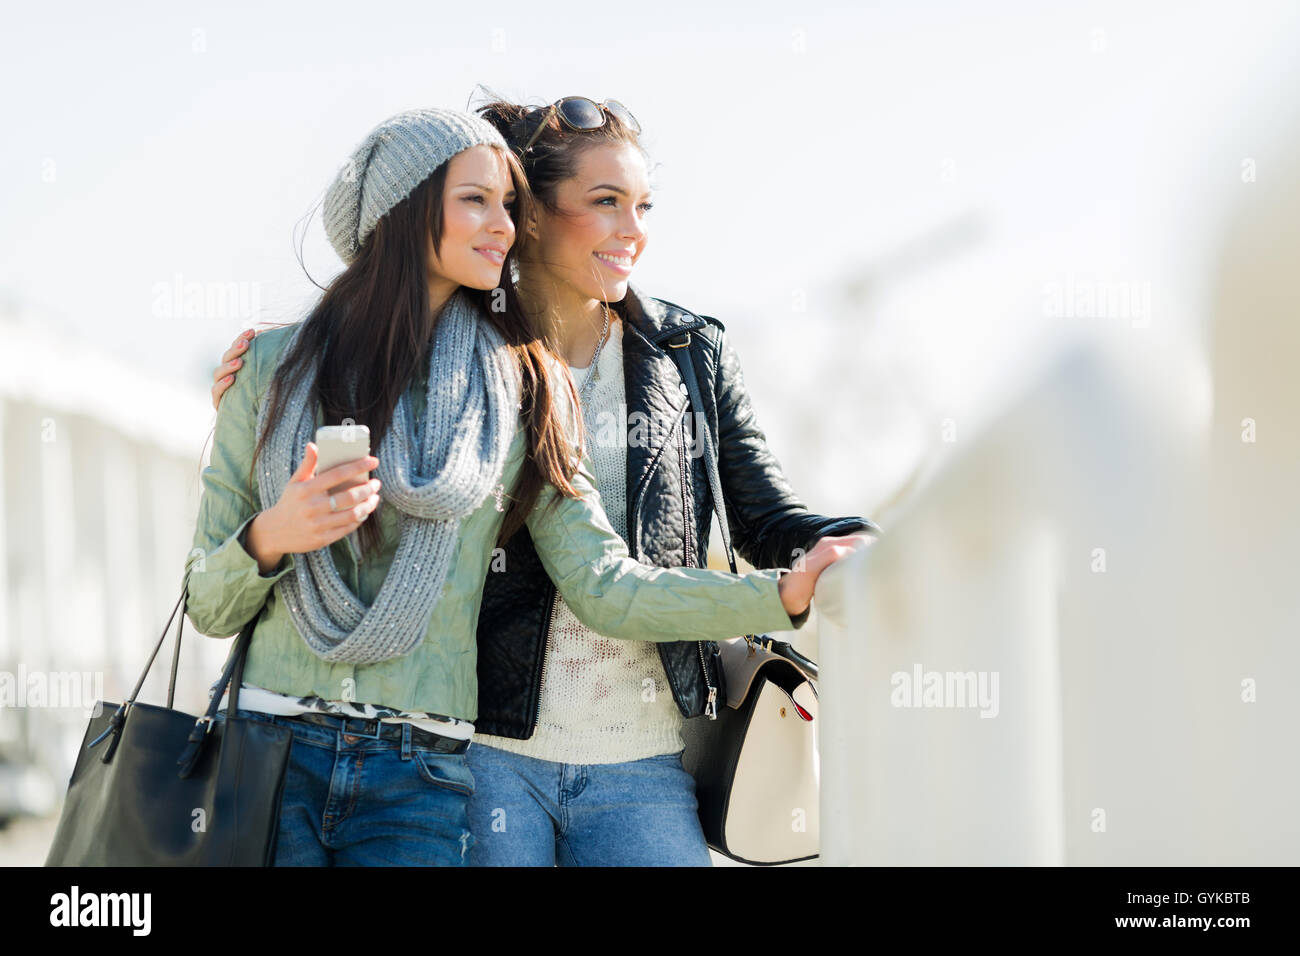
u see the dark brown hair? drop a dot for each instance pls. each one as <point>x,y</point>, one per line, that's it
<point>555,153</point>
<point>552,158</point>
<point>372,329</point>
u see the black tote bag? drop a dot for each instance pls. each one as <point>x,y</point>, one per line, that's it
<point>154,786</point>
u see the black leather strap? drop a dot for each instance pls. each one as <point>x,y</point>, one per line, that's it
<point>115,723</point>
<point>176,651</point>
<point>234,665</point>
<point>158,646</point>
<point>234,669</point>
<point>680,350</point>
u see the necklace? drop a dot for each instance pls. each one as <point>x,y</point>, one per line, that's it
<point>595,358</point>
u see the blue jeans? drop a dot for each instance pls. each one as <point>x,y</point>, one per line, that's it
<point>357,801</point>
<point>530,812</point>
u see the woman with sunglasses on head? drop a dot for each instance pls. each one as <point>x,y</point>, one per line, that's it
<point>369,657</point>
<point>578,742</point>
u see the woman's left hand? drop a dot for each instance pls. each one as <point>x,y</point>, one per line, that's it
<point>231,362</point>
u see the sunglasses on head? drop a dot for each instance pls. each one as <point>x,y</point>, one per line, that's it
<point>579,113</point>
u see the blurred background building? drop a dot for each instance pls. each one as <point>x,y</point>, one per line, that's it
<point>101,485</point>
<point>1013,281</point>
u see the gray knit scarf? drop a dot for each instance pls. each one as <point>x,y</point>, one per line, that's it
<point>434,479</point>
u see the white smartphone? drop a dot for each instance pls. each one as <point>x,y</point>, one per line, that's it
<point>340,444</point>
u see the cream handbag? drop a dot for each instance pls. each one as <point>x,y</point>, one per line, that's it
<point>755,766</point>
<point>755,763</point>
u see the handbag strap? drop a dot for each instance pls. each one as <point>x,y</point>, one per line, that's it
<point>681,352</point>
<point>236,658</point>
<point>176,651</point>
<point>231,676</point>
<point>233,670</point>
<point>158,646</point>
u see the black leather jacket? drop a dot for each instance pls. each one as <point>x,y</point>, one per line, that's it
<point>669,510</point>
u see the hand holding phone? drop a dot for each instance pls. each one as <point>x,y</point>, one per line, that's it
<point>339,445</point>
<point>325,500</point>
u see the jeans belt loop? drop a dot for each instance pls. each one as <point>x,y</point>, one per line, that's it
<point>379,727</point>
<point>406,740</point>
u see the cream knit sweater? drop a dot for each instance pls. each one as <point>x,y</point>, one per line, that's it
<point>603,700</point>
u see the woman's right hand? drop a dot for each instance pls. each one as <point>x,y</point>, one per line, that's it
<point>796,587</point>
<point>302,519</point>
<point>223,376</point>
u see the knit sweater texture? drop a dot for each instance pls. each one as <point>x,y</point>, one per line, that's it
<point>603,700</point>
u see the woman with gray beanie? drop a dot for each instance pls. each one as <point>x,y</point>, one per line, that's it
<point>369,656</point>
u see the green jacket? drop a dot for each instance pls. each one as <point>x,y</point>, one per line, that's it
<point>609,592</point>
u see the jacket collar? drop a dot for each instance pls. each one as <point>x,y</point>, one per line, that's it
<point>656,319</point>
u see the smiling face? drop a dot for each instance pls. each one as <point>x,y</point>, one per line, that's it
<point>477,230</point>
<point>591,242</point>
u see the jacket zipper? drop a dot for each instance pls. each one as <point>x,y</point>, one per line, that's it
<point>711,705</point>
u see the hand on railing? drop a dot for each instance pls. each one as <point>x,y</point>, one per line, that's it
<point>797,587</point>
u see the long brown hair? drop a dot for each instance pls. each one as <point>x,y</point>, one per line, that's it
<point>373,326</point>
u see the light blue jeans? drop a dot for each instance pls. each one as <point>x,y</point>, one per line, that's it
<point>360,801</point>
<point>530,812</point>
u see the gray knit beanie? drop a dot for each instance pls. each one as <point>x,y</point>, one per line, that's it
<point>398,155</point>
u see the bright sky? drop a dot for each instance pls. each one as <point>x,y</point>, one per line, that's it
<point>951,156</point>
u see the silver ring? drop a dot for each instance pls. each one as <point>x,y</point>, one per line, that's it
<point>333,507</point>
